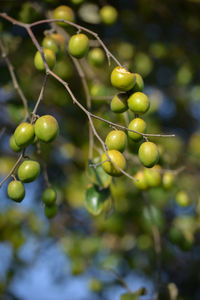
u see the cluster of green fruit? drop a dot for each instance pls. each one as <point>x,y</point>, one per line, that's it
<point>49,200</point>
<point>131,97</point>
<point>45,129</point>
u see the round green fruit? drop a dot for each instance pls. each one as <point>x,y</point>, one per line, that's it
<point>168,180</point>
<point>139,125</point>
<point>77,2</point>
<point>115,157</point>
<point>50,211</point>
<point>59,39</point>
<point>96,57</point>
<point>116,140</point>
<point>16,190</point>
<point>46,128</point>
<point>49,196</point>
<point>108,14</point>
<point>182,198</point>
<point>78,45</point>
<point>139,84</point>
<point>141,182</point>
<point>28,171</point>
<point>148,154</point>
<point>49,56</point>
<point>13,144</point>
<point>63,12</point>
<point>50,43</point>
<point>153,176</point>
<point>119,103</point>
<point>122,79</point>
<point>138,103</point>
<point>24,134</point>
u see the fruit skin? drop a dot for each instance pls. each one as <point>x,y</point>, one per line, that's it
<point>108,14</point>
<point>139,125</point>
<point>116,140</point>
<point>13,144</point>
<point>119,103</point>
<point>24,134</point>
<point>182,198</point>
<point>59,40</point>
<point>139,84</point>
<point>16,190</point>
<point>141,184</point>
<point>122,79</point>
<point>138,103</point>
<point>96,57</point>
<point>28,171</point>
<point>153,176</point>
<point>50,211</point>
<point>118,159</point>
<point>49,57</point>
<point>78,45</point>
<point>148,154</point>
<point>46,128</point>
<point>63,12</point>
<point>50,43</point>
<point>49,196</point>
<point>168,180</point>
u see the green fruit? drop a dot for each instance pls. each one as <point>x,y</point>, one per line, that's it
<point>139,84</point>
<point>129,296</point>
<point>141,182</point>
<point>153,176</point>
<point>148,154</point>
<point>122,79</point>
<point>50,43</point>
<point>138,103</point>
<point>50,211</point>
<point>65,13</point>
<point>24,134</point>
<point>182,198</point>
<point>28,171</point>
<point>13,144</point>
<point>119,103</point>
<point>96,285</point>
<point>49,196</point>
<point>115,157</point>
<point>96,57</point>
<point>78,45</point>
<point>139,125</point>
<point>16,190</point>
<point>77,2</point>
<point>108,14</point>
<point>168,180</point>
<point>116,140</point>
<point>46,128</point>
<point>95,199</point>
<point>59,39</point>
<point>49,57</point>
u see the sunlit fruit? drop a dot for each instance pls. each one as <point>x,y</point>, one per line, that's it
<point>119,103</point>
<point>63,12</point>
<point>28,171</point>
<point>46,128</point>
<point>108,14</point>
<point>168,180</point>
<point>138,103</point>
<point>141,182</point>
<point>13,144</point>
<point>153,176</point>
<point>116,140</point>
<point>96,57</point>
<point>138,125</point>
<point>49,196</point>
<point>139,84</point>
<point>24,134</point>
<point>50,43</point>
<point>117,158</point>
<point>50,211</point>
<point>16,190</point>
<point>122,79</point>
<point>148,154</point>
<point>78,45</point>
<point>183,199</point>
<point>59,40</point>
<point>49,56</point>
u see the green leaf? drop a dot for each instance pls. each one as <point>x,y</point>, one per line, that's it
<point>95,199</point>
<point>98,175</point>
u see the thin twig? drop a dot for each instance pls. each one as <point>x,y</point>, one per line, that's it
<point>2,131</point>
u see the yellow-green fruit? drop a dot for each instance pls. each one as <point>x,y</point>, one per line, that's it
<point>108,14</point>
<point>141,182</point>
<point>153,176</point>
<point>139,84</point>
<point>168,180</point>
<point>50,43</point>
<point>59,40</point>
<point>139,125</point>
<point>63,12</point>
<point>96,57</point>
<point>115,157</point>
<point>96,285</point>
<point>122,79</point>
<point>183,199</point>
<point>148,154</point>
<point>49,196</point>
<point>46,128</point>
<point>28,171</point>
<point>138,103</point>
<point>16,190</point>
<point>119,103</point>
<point>50,211</point>
<point>24,134</point>
<point>13,144</point>
<point>116,140</point>
<point>78,45</point>
<point>49,56</point>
